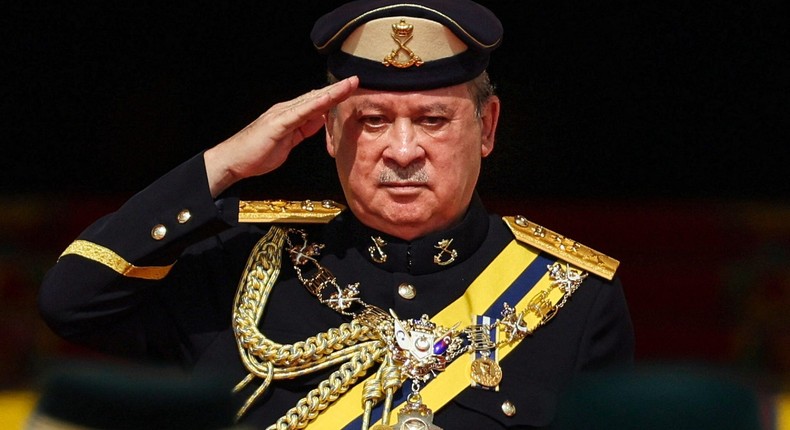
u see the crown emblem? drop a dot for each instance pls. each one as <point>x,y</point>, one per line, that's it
<point>402,29</point>
<point>423,325</point>
<point>402,57</point>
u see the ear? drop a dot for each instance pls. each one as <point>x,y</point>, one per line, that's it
<point>329,124</point>
<point>489,118</point>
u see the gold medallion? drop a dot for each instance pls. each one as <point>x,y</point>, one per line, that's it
<point>486,371</point>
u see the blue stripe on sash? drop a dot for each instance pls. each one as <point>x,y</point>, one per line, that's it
<point>521,286</point>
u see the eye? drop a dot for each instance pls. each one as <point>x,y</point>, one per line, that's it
<point>433,122</point>
<point>373,122</point>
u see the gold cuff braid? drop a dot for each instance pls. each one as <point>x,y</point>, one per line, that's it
<point>109,258</point>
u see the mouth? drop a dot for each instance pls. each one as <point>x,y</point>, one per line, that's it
<point>403,183</point>
<point>404,187</point>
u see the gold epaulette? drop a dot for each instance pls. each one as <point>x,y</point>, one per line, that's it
<point>562,247</point>
<point>288,211</point>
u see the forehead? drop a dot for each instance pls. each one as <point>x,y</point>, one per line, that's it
<point>453,97</point>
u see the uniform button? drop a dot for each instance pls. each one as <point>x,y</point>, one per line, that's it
<point>509,408</point>
<point>184,216</point>
<point>407,291</point>
<point>158,232</point>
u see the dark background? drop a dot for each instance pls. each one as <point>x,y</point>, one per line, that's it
<point>653,131</point>
<point>601,98</point>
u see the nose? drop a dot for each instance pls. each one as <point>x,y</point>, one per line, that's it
<point>404,145</point>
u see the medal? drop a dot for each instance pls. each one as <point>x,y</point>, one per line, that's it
<point>487,372</point>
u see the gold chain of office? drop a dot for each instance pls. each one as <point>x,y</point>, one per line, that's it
<point>369,338</point>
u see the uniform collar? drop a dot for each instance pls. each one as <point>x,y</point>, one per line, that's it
<point>428,254</point>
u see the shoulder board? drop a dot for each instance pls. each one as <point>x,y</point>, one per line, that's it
<point>288,211</point>
<point>562,247</point>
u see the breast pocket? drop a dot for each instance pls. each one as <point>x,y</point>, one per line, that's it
<point>519,404</point>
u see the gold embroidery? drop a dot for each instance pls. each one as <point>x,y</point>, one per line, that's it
<point>287,211</point>
<point>109,258</point>
<point>562,247</point>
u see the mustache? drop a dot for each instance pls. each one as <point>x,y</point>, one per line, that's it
<point>413,173</point>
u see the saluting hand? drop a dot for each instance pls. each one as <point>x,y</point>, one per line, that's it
<point>265,143</point>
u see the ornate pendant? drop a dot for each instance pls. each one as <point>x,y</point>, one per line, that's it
<point>415,415</point>
<point>419,349</point>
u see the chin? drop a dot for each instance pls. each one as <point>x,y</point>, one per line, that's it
<point>403,219</point>
<point>394,219</point>
<point>397,214</point>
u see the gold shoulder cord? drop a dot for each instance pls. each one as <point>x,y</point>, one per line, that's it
<point>270,361</point>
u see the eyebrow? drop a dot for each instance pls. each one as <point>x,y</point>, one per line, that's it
<point>369,104</point>
<point>438,108</point>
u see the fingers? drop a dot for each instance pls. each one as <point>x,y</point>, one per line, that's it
<point>265,143</point>
<point>312,105</point>
<point>333,93</point>
<point>293,121</point>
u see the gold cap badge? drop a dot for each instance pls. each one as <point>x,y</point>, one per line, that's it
<point>402,33</point>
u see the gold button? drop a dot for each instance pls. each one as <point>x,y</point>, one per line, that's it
<point>407,291</point>
<point>509,408</point>
<point>184,216</point>
<point>158,232</point>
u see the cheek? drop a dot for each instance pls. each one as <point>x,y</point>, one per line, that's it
<point>353,158</point>
<point>457,175</point>
<point>344,159</point>
<point>459,164</point>
<point>357,168</point>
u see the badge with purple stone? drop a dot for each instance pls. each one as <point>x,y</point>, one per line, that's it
<point>421,349</point>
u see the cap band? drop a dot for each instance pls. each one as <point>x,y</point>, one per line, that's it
<point>436,74</point>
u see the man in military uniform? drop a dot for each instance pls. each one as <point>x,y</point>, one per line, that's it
<point>414,308</point>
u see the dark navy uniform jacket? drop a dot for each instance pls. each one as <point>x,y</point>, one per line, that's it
<point>186,317</point>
